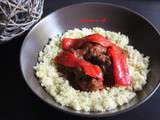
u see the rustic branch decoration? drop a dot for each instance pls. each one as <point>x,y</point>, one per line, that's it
<point>17,16</point>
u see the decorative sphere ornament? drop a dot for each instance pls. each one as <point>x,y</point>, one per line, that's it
<point>17,16</point>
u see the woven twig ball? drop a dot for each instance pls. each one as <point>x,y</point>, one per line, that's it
<point>17,16</point>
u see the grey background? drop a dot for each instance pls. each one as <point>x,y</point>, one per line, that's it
<point>17,102</point>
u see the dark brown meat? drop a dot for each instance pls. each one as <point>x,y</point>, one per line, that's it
<point>79,80</point>
<point>86,83</point>
<point>90,85</point>
<point>96,54</point>
<point>95,84</point>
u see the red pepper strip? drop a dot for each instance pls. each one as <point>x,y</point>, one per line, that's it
<point>68,43</point>
<point>99,39</point>
<point>67,59</point>
<point>91,70</point>
<point>120,68</point>
<point>70,60</point>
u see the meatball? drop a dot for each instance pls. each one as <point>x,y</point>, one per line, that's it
<point>90,84</point>
<point>95,84</point>
<point>97,55</point>
<point>85,82</point>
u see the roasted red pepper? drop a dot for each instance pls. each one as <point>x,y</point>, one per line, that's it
<point>68,59</point>
<point>120,68</point>
<point>99,39</point>
<point>68,43</point>
<point>90,69</point>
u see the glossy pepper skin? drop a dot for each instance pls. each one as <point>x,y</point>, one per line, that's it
<point>68,59</point>
<point>68,43</point>
<point>120,67</point>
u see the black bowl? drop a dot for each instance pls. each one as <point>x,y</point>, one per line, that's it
<point>141,32</point>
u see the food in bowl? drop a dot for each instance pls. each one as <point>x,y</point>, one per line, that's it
<point>91,69</point>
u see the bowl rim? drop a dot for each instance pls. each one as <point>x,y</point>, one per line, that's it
<point>82,114</point>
